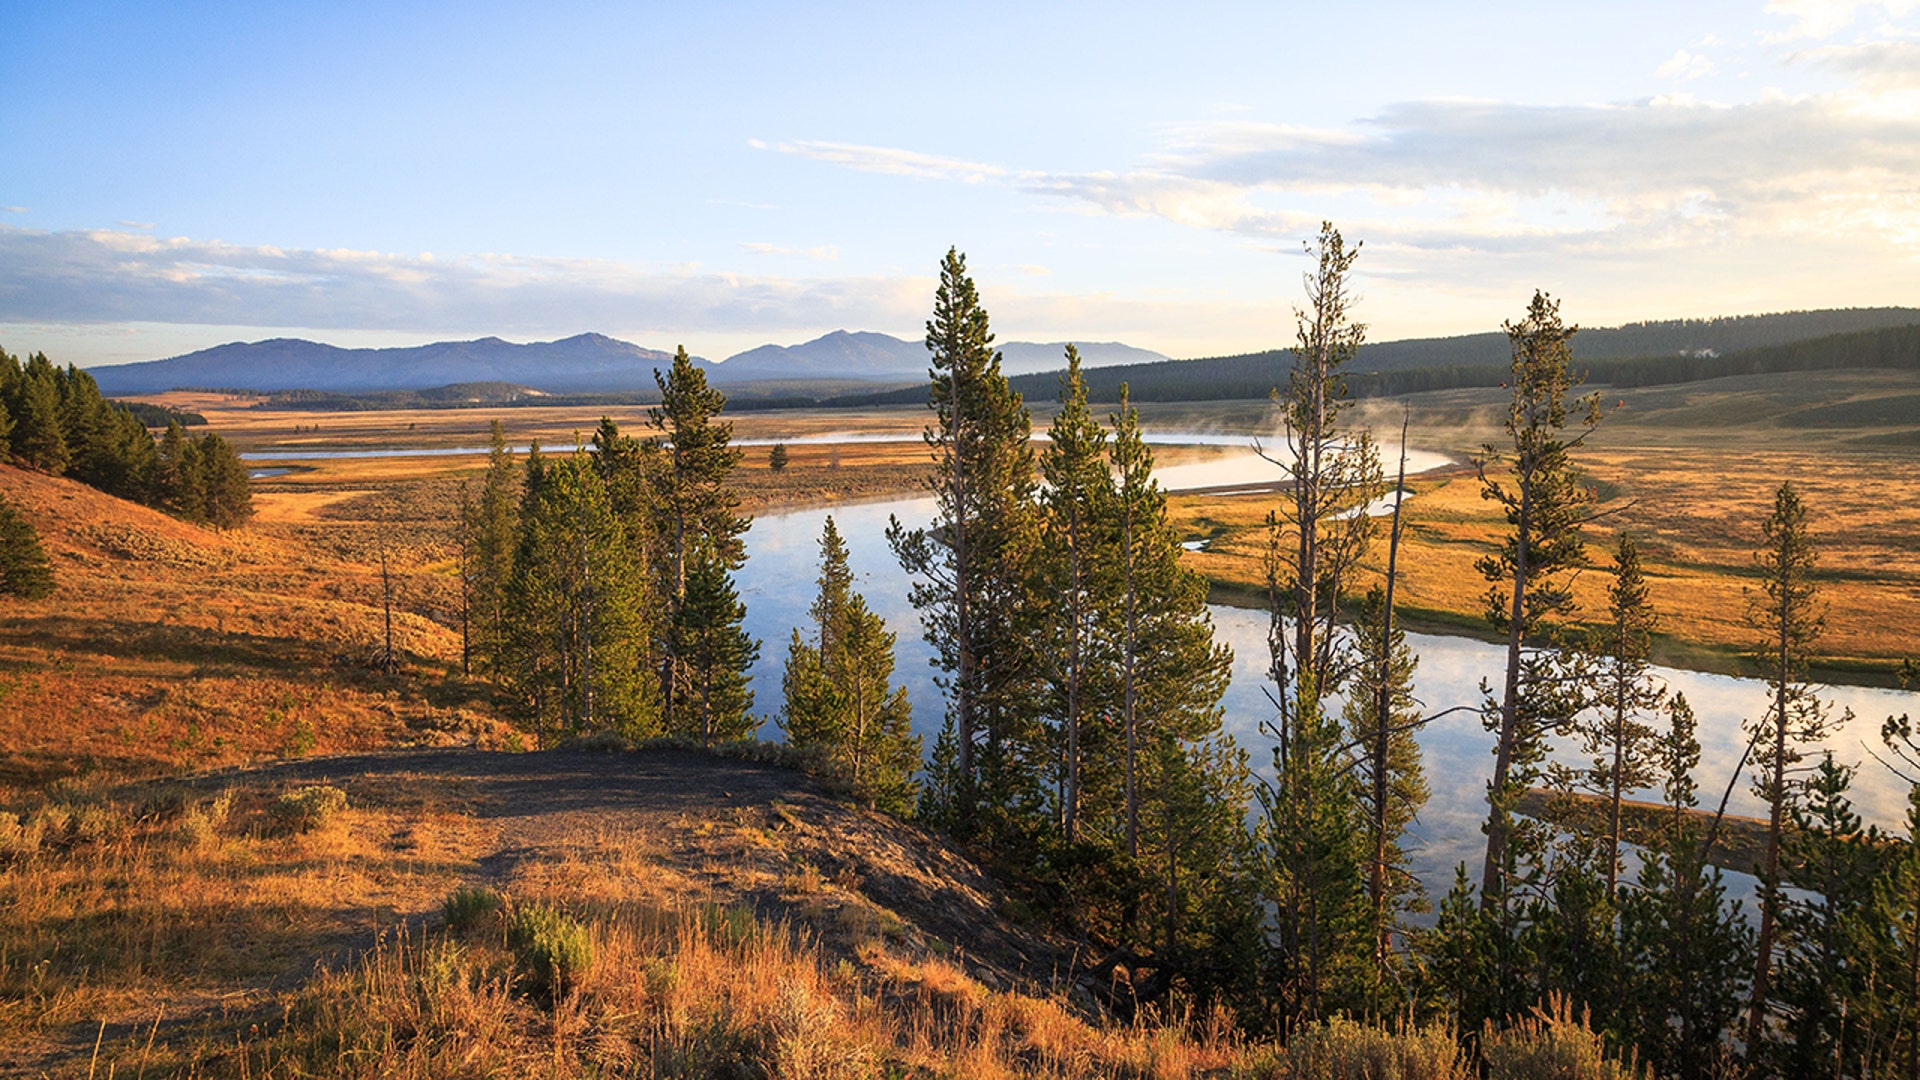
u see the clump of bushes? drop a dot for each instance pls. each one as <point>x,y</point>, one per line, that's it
<point>1554,1042</point>
<point>469,907</point>
<point>1345,1050</point>
<point>552,950</point>
<point>306,809</point>
<point>20,837</point>
<point>198,824</point>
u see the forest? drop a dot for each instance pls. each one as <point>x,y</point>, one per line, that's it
<point>1083,757</point>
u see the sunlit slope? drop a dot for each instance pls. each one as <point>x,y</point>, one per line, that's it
<point>166,644</point>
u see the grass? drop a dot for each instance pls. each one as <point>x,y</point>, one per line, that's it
<point>1692,486</point>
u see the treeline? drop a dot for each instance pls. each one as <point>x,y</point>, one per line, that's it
<point>53,419</point>
<point>1253,375</point>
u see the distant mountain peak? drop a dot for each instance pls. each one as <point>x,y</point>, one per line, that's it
<point>583,363</point>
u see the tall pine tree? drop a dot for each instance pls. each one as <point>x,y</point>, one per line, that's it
<point>1545,505</point>
<point>574,605</point>
<point>1787,614</point>
<point>697,526</point>
<point>974,567</point>
<point>1315,542</point>
<point>1074,515</point>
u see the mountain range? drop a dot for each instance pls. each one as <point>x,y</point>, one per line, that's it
<point>584,363</point>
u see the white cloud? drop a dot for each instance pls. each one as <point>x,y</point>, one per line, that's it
<point>1881,66</point>
<point>1499,178</point>
<point>1685,66</point>
<point>109,276</point>
<point>1820,19</point>
<point>13,210</point>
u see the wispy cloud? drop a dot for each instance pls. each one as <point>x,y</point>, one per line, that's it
<point>891,161</point>
<point>13,210</point>
<point>1499,177</point>
<point>1820,19</point>
<point>105,276</point>
<point>1883,66</point>
<point>825,252</point>
<point>135,224</point>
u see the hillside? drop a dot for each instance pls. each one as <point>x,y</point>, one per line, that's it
<point>167,645</point>
<point>1638,354</point>
<point>625,841</point>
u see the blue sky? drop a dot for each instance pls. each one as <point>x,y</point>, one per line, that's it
<point>721,175</point>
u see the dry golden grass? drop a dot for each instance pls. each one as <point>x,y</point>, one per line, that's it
<point>169,646</point>
<point>1695,513</point>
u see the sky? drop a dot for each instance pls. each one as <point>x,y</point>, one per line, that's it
<point>720,175</point>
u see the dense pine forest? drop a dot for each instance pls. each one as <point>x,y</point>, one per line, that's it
<point>1083,756</point>
<point>54,420</point>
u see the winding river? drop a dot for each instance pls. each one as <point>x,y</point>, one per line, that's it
<point>777,585</point>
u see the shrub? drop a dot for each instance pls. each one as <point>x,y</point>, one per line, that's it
<point>732,926</point>
<point>20,838</point>
<point>199,824</point>
<point>553,950</point>
<point>1345,1050</point>
<point>468,907</point>
<point>1553,1044</point>
<point>306,809</point>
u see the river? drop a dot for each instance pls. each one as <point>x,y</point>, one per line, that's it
<point>777,585</point>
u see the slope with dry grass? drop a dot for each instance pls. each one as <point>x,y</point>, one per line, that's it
<point>664,912</point>
<point>167,645</point>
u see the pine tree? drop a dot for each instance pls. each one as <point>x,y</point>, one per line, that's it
<point>1787,614</point>
<point>1458,977</point>
<point>1686,951</point>
<point>178,479</point>
<point>1392,785</point>
<point>1896,910</point>
<point>974,560</point>
<point>712,654</point>
<point>1074,512</point>
<point>1824,973</point>
<point>777,457</point>
<point>1314,544</point>
<point>9,397</point>
<point>492,526</point>
<point>24,569</point>
<point>1545,507</point>
<point>226,495</point>
<point>839,692</point>
<point>694,509</point>
<point>38,438</point>
<point>1184,784</point>
<point>1614,733</point>
<point>576,644</point>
